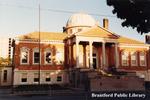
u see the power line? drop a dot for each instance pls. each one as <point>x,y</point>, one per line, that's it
<point>55,10</point>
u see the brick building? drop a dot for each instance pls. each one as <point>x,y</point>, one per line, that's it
<point>84,45</point>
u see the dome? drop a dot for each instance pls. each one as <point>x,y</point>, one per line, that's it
<point>81,19</point>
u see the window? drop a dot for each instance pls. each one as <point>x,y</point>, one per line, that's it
<point>79,29</point>
<point>142,58</point>
<point>59,78</point>
<point>48,57</point>
<point>24,55</point>
<point>59,57</point>
<point>36,77</point>
<point>5,76</point>
<point>125,58</point>
<point>24,77</point>
<point>36,56</point>
<point>47,79</point>
<point>133,58</point>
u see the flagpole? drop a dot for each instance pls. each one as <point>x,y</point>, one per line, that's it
<point>39,45</point>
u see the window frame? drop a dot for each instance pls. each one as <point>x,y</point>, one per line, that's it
<point>60,59</point>
<point>35,78</point>
<point>144,58</point>
<point>46,51</point>
<point>136,58</point>
<point>24,49</point>
<point>24,78</point>
<point>49,77</point>
<point>36,50</point>
<point>5,75</point>
<point>60,78</point>
<point>127,56</point>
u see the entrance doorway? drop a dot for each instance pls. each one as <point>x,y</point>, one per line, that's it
<point>94,61</point>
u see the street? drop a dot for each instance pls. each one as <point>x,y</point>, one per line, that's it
<point>5,94</point>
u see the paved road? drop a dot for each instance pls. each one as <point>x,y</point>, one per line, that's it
<point>5,94</point>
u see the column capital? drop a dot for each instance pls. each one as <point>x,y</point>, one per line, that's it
<point>116,43</point>
<point>103,42</point>
<point>91,42</point>
<point>77,41</point>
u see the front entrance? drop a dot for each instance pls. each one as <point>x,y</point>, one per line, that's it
<point>94,56</point>
<point>94,61</point>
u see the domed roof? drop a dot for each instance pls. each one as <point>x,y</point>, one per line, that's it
<point>80,19</point>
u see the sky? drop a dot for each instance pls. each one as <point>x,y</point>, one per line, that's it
<point>21,16</point>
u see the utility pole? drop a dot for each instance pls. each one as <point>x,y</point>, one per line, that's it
<point>39,46</point>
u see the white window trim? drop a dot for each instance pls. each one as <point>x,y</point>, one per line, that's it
<point>144,58</point>
<point>135,59</point>
<point>24,49</point>
<point>21,79</point>
<point>36,50</point>
<point>49,77</point>
<point>48,50</point>
<point>34,77</point>
<point>60,59</point>
<point>127,59</point>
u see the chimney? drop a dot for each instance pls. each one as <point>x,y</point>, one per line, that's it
<point>105,23</point>
<point>147,39</point>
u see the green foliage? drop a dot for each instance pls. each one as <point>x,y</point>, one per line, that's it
<point>5,61</point>
<point>135,13</point>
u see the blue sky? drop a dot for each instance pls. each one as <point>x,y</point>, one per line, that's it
<point>21,16</point>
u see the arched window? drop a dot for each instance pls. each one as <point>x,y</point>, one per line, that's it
<point>59,57</point>
<point>133,58</point>
<point>24,55</point>
<point>125,58</point>
<point>47,56</point>
<point>142,58</point>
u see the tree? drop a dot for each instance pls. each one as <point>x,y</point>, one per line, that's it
<point>135,13</point>
<point>5,61</point>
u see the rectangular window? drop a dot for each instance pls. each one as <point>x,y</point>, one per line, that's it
<point>133,59</point>
<point>142,59</point>
<point>36,57</point>
<point>36,77</point>
<point>24,77</point>
<point>59,78</point>
<point>47,79</point>
<point>5,76</point>
<point>125,59</point>
<point>48,59</point>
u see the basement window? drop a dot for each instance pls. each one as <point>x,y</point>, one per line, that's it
<point>24,77</point>
<point>36,77</point>
<point>47,79</point>
<point>59,78</point>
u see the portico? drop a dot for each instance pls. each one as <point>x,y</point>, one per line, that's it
<point>93,52</point>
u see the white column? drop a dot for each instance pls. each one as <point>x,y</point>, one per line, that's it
<point>77,54</point>
<point>103,55</point>
<point>116,55</point>
<point>91,54</point>
<point>84,56</point>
